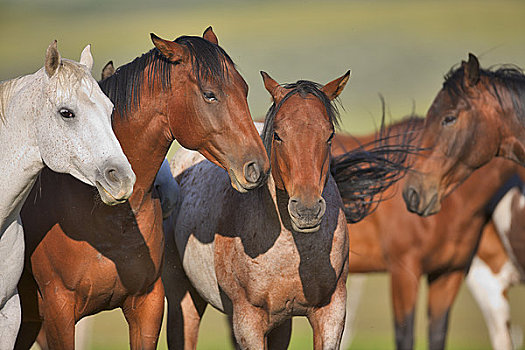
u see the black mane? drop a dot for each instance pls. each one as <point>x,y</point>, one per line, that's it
<point>509,77</point>
<point>209,62</point>
<point>364,173</point>
<point>303,88</point>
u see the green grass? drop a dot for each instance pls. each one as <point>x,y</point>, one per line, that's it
<point>401,49</point>
<point>373,327</point>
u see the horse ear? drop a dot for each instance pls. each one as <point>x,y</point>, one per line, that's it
<point>335,87</point>
<point>169,49</point>
<point>52,59</point>
<point>86,58</point>
<point>108,70</point>
<point>210,36</point>
<point>471,70</point>
<point>273,87</point>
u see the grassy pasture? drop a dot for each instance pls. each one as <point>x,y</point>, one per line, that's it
<point>401,49</point>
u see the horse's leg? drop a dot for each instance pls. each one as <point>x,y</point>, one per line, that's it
<point>31,322</point>
<point>328,321</point>
<point>144,315</point>
<point>442,291</point>
<point>489,289</point>
<point>41,339</point>
<point>405,275</point>
<point>185,306</point>
<point>9,322</point>
<point>355,285</point>
<point>11,265</point>
<point>232,335</point>
<point>58,311</point>
<point>279,337</point>
<point>250,324</point>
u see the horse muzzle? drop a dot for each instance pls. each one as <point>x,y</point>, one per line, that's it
<point>253,175</point>
<point>423,203</point>
<point>115,182</point>
<point>306,217</point>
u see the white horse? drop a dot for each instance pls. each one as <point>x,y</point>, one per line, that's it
<point>496,268</point>
<point>57,117</point>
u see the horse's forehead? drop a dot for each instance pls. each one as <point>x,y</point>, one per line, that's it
<point>299,111</point>
<point>445,101</point>
<point>233,80</point>
<point>74,79</point>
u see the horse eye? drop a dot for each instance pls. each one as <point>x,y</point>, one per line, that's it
<point>210,96</point>
<point>449,120</point>
<point>66,113</point>
<point>331,137</point>
<point>276,137</point>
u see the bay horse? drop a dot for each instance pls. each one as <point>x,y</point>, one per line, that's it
<point>277,252</point>
<point>187,89</point>
<point>408,246</point>
<point>57,117</point>
<point>476,116</point>
<point>499,264</point>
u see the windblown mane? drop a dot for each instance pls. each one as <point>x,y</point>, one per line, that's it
<point>303,88</point>
<point>209,62</point>
<point>363,174</point>
<point>508,77</point>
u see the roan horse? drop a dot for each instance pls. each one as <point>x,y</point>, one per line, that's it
<point>187,89</point>
<point>277,252</point>
<point>477,115</point>
<point>57,117</point>
<point>408,246</point>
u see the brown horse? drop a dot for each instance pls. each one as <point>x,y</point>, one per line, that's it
<point>85,257</point>
<point>478,115</point>
<point>408,246</point>
<point>275,253</point>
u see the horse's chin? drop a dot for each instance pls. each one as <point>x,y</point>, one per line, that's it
<point>239,186</point>
<point>107,197</point>
<point>305,228</point>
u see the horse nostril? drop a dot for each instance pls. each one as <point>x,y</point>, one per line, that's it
<point>322,207</point>
<point>112,175</point>
<point>252,172</point>
<point>292,207</point>
<point>413,198</point>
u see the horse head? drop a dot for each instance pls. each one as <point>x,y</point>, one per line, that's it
<point>298,133</point>
<point>212,110</point>
<point>471,120</point>
<point>73,127</point>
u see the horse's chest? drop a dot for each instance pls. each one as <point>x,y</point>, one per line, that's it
<point>103,271</point>
<point>286,280</point>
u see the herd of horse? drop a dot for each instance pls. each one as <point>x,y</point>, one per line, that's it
<point>264,221</point>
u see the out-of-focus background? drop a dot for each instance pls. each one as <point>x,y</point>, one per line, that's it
<point>400,49</point>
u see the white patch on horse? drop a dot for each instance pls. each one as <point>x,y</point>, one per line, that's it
<point>198,261</point>
<point>502,215</point>
<point>488,289</point>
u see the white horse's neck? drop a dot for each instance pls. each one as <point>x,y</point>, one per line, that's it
<point>20,160</point>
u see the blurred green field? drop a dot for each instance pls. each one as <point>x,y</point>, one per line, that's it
<point>401,49</point>
<point>373,328</point>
